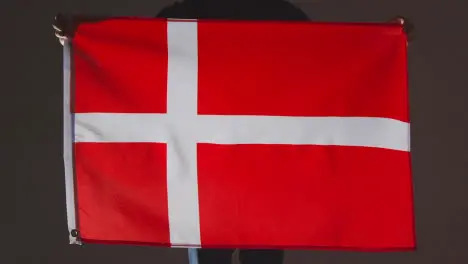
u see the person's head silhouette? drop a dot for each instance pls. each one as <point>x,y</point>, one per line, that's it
<point>234,10</point>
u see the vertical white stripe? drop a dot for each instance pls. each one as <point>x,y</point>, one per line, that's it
<point>68,144</point>
<point>182,84</point>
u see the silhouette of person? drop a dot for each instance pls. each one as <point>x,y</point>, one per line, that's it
<point>230,10</point>
<point>236,10</point>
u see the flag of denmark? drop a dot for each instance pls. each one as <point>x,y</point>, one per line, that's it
<point>238,134</point>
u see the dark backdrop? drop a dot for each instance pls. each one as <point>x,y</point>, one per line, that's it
<point>32,103</point>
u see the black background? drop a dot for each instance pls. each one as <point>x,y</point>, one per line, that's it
<point>32,151</point>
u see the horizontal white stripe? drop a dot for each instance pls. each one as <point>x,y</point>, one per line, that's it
<point>121,128</point>
<point>343,131</point>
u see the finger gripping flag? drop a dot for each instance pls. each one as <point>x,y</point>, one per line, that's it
<point>238,134</point>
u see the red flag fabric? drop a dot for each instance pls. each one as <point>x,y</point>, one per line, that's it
<point>239,134</point>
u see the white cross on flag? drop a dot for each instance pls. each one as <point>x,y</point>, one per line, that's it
<point>238,134</point>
